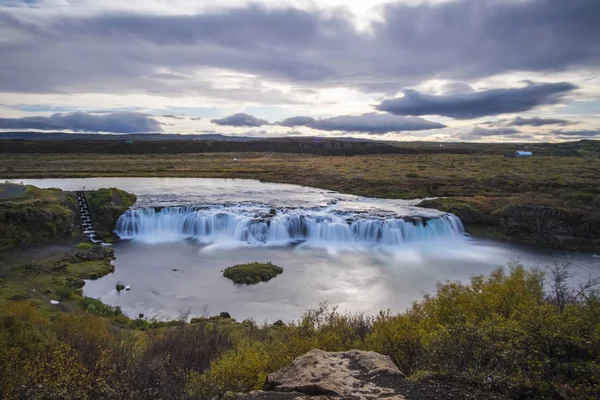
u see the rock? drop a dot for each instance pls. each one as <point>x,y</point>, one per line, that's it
<point>528,223</point>
<point>547,222</point>
<point>106,206</point>
<point>349,374</point>
<point>96,253</point>
<point>224,315</point>
<point>55,302</point>
<point>358,375</point>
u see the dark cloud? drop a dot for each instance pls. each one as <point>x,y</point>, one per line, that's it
<point>537,121</point>
<point>578,133</point>
<point>533,121</point>
<point>74,52</point>
<point>372,123</point>
<point>479,131</point>
<point>172,116</point>
<point>240,119</point>
<point>477,104</point>
<point>298,121</point>
<point>116,122</point>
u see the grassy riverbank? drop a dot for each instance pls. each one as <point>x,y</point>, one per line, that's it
<point>39,274</point>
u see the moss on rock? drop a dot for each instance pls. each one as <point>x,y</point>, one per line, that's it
<point>106,206</point>
<point>248,274</point>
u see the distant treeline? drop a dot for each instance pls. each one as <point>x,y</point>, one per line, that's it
<point>312,146</point>
<point>331,147</point>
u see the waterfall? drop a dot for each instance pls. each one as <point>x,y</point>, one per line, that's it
<point>256,225</point>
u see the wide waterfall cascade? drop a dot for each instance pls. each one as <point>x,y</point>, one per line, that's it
<point>262,225</point>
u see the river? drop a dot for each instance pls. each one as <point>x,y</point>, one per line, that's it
<point>360,254</point>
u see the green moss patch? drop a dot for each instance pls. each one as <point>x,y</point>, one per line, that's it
<point>249,274</point>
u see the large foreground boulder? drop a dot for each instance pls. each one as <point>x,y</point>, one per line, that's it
<point>357,375</point>
<point>336,374</point>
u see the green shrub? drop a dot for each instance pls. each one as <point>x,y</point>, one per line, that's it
<point>503,328</point>
<point>85,246</point>
<point>96,307</point>
<point>412,175</point>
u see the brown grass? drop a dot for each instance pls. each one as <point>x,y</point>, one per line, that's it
<point>373,175</point>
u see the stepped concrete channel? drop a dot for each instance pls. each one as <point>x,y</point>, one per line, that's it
<point>87,225</point>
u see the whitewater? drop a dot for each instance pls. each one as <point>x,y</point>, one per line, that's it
<point>258,224</point>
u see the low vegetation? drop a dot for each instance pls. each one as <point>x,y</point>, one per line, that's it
<point>36,215</point>
<point>248,274</point>
<point>58,277</point>
<point>507,332</point>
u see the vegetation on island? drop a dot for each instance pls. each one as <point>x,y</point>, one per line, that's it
<point>248,274</point>
<point>506,333</point>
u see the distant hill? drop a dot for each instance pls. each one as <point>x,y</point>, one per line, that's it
<point>155,143</point>
<point>132,136</point>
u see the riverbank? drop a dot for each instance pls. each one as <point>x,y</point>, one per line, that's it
<point>488,182</point>
<point>566,221</point>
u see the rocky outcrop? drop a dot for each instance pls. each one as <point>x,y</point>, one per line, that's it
<point>106,206</point>
<point>336,374</point>
<point>356,375</point>
<point>550,223</point>
<point>530,223</point>
<point>40,215</point>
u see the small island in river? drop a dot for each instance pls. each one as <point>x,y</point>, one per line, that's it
<point>252,273</point>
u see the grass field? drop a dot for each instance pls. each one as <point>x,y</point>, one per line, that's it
<point>391,176</point>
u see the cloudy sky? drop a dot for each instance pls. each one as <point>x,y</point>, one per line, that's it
<point>450,70</point>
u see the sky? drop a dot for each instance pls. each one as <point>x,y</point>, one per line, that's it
<point>439,70</point>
